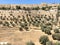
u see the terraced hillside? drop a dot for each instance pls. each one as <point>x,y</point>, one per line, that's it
<point>36,24</point>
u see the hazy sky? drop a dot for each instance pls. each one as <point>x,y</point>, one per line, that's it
<point>28,1</point>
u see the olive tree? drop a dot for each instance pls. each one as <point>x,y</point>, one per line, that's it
<point>43,39</point>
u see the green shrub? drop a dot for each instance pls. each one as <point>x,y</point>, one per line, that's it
<point>24,8</point>
<point>3,8</point>
<point>56,30</point>
<point>18,7</point>
<point>22,25</point>
<point>48,32</point>
<point>43,39</point>
<point>20,29</point>
<point>59,7</point>
<point>46,29</point>
<point>56,36</point>
<point>26,28</point>
<point>49,43</point>
<point>30,43</point>
<point>36,8</point>
<point>43,27</point>
<point>43,8</point>
<point>57,43</point>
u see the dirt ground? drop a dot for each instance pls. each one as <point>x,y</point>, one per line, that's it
<point>16,37</point>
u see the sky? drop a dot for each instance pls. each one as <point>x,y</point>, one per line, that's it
<point>28,1</point>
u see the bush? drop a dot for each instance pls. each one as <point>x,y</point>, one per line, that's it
<point>22,25</point>
<point>56,30</point>
<point>18,7</point>
<point>3,8</point>
<point>30,43</point>
<point>43,8</point>
<point>26,28</point>
<point>24,8</point>
<point>36,8</point>
<point>46,29</point>
<point>49,43</point>
<point>43,39</point>
<point>57,43</point>
<point>59,7</point>
<point>43,27</point>
<point>48,32</point>
<point>56,36</point>
<point>20,29</point>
